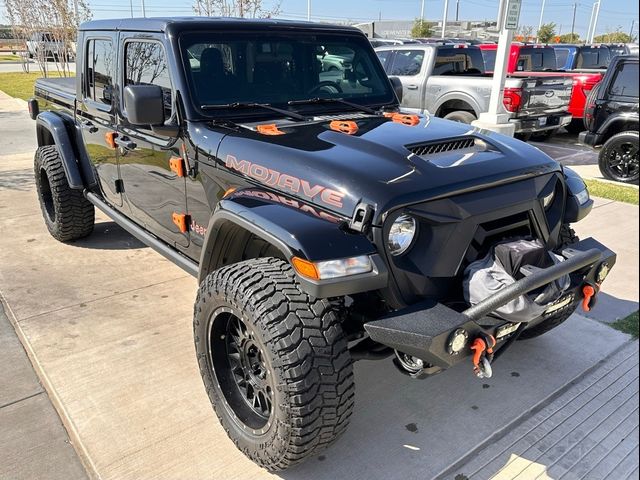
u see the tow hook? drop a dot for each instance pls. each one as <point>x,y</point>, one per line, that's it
<point>483,355</point>
<point>589,296</point>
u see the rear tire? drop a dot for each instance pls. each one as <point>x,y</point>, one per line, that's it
<point>461,116</point>
<point>618,159</point>
<point>291,397</point>
<point>67,214</point>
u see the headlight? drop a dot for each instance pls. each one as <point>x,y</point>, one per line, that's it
<point>401,234</point>
<point>342,267</point>
<point>548,200</point>
<point>582,196</point>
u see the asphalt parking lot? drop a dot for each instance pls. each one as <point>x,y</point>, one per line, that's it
<point>106,324</point>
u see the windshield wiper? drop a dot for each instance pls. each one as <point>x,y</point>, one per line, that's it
<point>266,106</point>
<point>342,101</point>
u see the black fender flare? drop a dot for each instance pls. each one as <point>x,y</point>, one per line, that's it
<point>55,129</point>
<point>294,233</point>
<point>616,119</point>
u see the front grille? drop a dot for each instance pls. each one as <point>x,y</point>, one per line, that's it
<point>440,147</point>
<point>494,231</point>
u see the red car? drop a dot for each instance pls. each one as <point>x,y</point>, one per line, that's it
<point>542,60</point>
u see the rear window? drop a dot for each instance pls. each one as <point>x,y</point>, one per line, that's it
<point>407,62</point>
<point>625,83</point>
<point>536,60</point>
<point>593,57</point>
<point>455,61</point>
<point>489,59</point>
<point>99,73</point>
<point>562,54</point>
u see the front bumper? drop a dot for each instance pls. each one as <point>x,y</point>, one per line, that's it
<point>540,124</point>
<point>426,330</point>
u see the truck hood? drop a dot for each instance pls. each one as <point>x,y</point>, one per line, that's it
<point>385,164</point>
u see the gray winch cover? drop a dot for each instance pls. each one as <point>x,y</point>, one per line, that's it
<point>501,267</point>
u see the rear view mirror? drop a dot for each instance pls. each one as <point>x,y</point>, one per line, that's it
<point>144,104</point>
<point>397,87</point>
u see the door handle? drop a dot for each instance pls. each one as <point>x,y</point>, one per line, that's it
<point>124,142</point>
<point>86,125</point>
<point>412,87</point>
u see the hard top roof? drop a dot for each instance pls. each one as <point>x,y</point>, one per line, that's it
<point>160,24</point>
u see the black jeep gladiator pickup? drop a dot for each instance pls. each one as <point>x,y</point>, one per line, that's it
<point>323,224</point>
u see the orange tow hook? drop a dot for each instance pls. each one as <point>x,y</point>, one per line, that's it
<point>482,355</point>
<point>588,291</point>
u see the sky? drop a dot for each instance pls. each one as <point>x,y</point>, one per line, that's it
<point>613,13</point>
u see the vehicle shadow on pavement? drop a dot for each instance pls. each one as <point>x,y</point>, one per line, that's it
<point>21,180</point>
<point>109,235</point>
<point>609,308</point>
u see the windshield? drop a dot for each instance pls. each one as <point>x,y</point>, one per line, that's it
<point>227,68</point>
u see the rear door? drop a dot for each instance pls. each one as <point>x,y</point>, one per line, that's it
<point>96,111</point>
<point>154,184</point>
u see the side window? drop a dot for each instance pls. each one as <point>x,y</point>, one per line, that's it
<point>146,64</point>
<point>562,54</point>
<point>625,83</point>
<point>99,71</point>
<point>384,57</point>
<point>407,62</point>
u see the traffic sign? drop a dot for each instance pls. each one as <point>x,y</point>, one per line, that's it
<point>513,14</point>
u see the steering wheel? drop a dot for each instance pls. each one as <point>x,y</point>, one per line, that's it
<point>326,84</point>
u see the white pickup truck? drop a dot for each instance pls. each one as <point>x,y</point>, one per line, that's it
<point>450,81</point>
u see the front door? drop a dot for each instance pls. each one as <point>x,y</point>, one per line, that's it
<point>407,66</point>
<point>151,169</point>
<point>96,112</point>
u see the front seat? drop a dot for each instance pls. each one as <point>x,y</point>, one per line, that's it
<point>213,80</point>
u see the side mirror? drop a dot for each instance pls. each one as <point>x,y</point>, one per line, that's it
<point>144,104</point>
<point>397,87</point>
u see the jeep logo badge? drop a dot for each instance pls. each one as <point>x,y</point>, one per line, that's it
<point>549,93</point>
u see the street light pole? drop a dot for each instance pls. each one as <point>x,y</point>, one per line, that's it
<point>422,11</point>
<point>457,10</point>
<point>573,22</point>
<point>593,9</point>
<point>444,17</point>
<point>595,21</point>
<point>144,12</point>
<point>308,10</point>
<point>540,22</point>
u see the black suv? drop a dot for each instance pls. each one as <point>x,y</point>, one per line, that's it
<point>323,224</point>
<point>611,119</point>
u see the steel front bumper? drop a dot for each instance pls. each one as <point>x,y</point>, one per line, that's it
<point>426,330</point>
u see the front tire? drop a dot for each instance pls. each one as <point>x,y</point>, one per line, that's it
<point>274,362</point>
<point>618,159</point>
<point>67,214</point>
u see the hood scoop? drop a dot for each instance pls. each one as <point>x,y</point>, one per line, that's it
<point>468,143</point>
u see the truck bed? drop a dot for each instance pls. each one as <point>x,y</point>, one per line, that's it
<point>59,90</point>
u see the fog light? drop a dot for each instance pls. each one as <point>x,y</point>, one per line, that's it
<point>603,271</point>
<point>457,341</point>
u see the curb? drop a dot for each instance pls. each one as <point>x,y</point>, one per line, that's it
<point>67,423</point>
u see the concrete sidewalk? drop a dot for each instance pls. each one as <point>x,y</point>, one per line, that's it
<point>107,324</point>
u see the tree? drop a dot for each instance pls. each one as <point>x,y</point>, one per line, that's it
<point>569,38</point>
<point>235,8</point>
<point>421,29</point>
<point>48,28</point>
<point>525,32</point>
<point>617,36</point>
<point>547,32</point>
